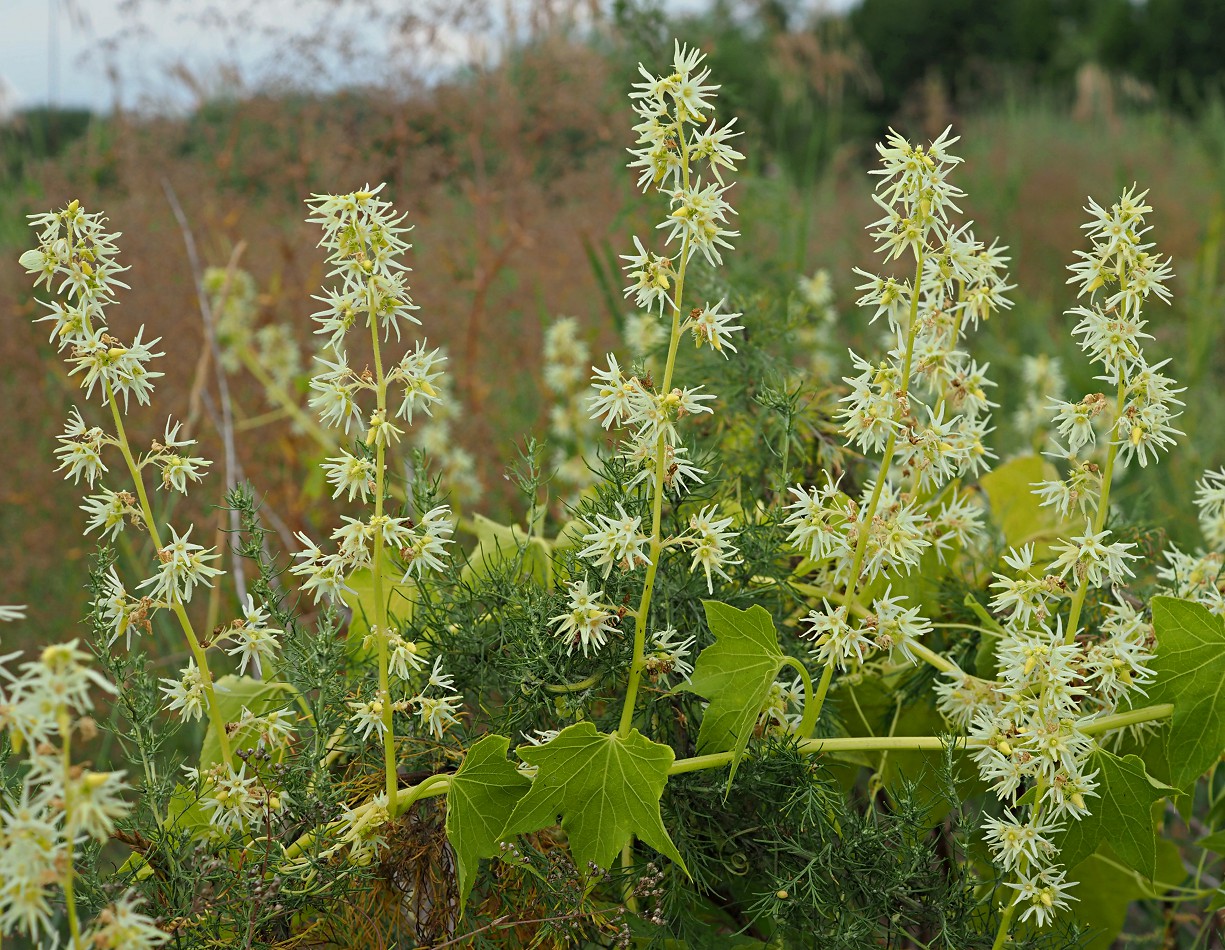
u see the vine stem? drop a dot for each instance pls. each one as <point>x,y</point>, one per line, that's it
<point>1002,935</point>
<point>657,502</point>
<point>1132,717</point>
<point>401,801</point>
<point>380,601</point>
<point>931,657</point>
<point>193,641</point>
<point>578,687</point>
<point>818,701</point>
<point>812,707</point>
<point>321,436</point>
<point>861,543</point>
<point>74,924</point>
<point>440,784</point>
<point>1099,519</point>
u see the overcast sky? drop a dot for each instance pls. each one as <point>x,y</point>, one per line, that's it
<point>54,51</point>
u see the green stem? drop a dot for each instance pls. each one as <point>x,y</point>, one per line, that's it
<point>715,760</point>
<point>865,528</point>
<point>657,501</point>
<point>966,626</point>
<point>1099,520</point>
<point>440,784</point>
<point>193,641</point>
<point>811,708</point>
<point>930,656</point>
<point>74,924</point>
<point>578,687</point>
<point>644,605</point>
<point>404,799</point>
<point>861,543</point>
<point>282,399</point>
<point>380,601</point>
<point>818,701</point>
<point>1001,935</point>
<point>981,612</point>
<point>627,869</point>
<point>1132,717</point>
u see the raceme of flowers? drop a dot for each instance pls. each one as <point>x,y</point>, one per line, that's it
<point>77,258</point>
<point>679,140</point>
<point>45,709</point>
<point>924,406</point>
<point>1027,726</point>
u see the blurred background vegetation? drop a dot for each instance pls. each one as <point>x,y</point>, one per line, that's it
<point>511,165</point>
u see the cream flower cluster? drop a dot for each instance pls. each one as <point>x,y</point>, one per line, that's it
<point>364,237</point>
<point>817,336</point>
<point>1200,576</point>
<point>269,350</point>
<point>1041,383</point>
<point>1118,274</point>
<point>77,257</point>
<point>436,712</point>
<point>60,804</point>
<point>572,433</point>
<point>678,137</point>
<point>436,437</point>
<point>924,405</point>
<point>1027,725</point>
<point>1027,732</point>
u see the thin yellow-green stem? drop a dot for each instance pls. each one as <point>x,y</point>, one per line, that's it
<point>1099,520</point>
<point>578,687</point>
<point>811,707</point>
<point>876,782</point>
<point>1001,935</point>
<point>70,901</point>
<point>644,605</point>
<point>932,658</point>
<point>861,543</point>
<point>380,602</point>
<point>715,760</point>
<point>193,641</point>
<point>403,799</point>
<point>440,784</point>
<point>657,501</point>
<point>818,701</point>
<point>1132,717</point>
<point>627,866</point>
<point>283,399</point>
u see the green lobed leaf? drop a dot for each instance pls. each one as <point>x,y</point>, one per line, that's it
<point>233,693</point>
<point>1121,816</point>
<point>482,794</point>
<point>360,599</point>
<point>605,788</point>
<point>1015,509</point>
<point>1105,890</point>
<point>735,673</point>
<point>1190,668</point>
<point>497,543</point>
<point>1213,842</point>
